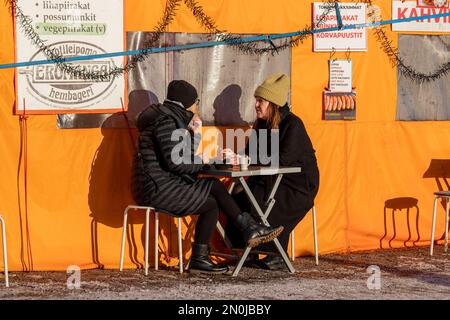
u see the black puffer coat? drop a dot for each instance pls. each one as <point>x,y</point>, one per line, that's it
<point>157,181</point>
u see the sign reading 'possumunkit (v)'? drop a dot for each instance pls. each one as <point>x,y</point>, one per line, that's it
<point>68,29</point>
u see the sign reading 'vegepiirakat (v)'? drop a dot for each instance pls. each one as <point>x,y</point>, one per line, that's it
<point>70,29</point>
<point>413,9</point>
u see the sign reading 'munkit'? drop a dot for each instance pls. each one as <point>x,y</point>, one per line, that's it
<point>70,28</point>
<point>412,9</point>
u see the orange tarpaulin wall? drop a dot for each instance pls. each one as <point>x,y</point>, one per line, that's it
<point>78,180</point>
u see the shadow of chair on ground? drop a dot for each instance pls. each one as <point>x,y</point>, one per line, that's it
<point>413,270</point>
<point>399,207</point>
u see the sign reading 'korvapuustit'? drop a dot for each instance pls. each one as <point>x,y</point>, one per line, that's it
<point>70,28</point>
<point>341,40</point>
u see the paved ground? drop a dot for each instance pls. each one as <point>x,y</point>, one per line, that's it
<point>404,274</point>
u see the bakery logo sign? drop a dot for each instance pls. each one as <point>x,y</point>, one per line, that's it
<point>54,85</point>
<point>418,8</point>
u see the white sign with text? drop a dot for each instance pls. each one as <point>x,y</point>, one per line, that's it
<point>70,29</point>
<point>340,76</point>
<point>341,40</point>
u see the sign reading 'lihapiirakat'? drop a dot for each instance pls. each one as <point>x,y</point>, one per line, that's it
<point>412,9</point>
<point>70,29</point>
<point>340,40</point>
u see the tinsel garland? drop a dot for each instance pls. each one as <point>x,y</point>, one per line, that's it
<point>397,61</point>
<point>25,24</point>
<point>252,48</point>
<point>380,34</point>
<point>208,23</point>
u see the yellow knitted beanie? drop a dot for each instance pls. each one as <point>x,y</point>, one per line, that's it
<point>274,89</point>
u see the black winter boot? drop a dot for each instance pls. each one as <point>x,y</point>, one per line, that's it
<point>255,233</point>
<point>272,262</point>
<point>201,263</point>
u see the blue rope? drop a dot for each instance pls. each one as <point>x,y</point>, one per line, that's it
<point>267,38</point>
<point>338,15</point>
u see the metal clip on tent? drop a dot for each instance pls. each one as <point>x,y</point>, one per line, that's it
<point>347,54</point>
<point>271,42</point>
<point>332,53</point>
<point>338,15</point>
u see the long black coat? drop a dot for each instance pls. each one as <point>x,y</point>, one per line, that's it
<point>296,193</point>
<point>158,181</point>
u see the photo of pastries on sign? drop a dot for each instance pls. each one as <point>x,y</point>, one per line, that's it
<point>339,106</point>
<point>433,3</point>
<point>339,102</point>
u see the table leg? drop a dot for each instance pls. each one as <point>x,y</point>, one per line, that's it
<point>275,186</point>
<point>263,216</point>
<point>231,187</point>
<point>284,256</point>
<point>241,262</point>
<point>220,228</point>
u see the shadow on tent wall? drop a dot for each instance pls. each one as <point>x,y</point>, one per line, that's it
<point>401,206</point>
<point>110,176</point>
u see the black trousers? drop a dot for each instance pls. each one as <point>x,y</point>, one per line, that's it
<point>218,200</point>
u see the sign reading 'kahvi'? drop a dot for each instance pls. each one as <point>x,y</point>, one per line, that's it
<point>414,9</point>
<point>70,28</point>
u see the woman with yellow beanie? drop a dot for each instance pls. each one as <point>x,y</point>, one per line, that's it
<point>296,193</point>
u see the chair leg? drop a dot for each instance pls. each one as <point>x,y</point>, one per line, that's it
<point>180,245</point>
<point>293,245</point>
<point>446,225</point>
<point>156,239</point>
<point>5,254</point>
<point>316,247</point>
<point>124,233</point>
<point>147,226</point>
<point>436,198</point>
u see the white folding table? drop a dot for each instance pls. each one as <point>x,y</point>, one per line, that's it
<point>263,214</point>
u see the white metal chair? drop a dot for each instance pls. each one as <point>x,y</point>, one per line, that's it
<point>316,248</point>
<point>5,254</point>
<point>440,195</point>
<point>147,222</point>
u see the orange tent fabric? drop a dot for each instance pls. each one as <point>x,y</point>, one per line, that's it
<point>78,180</point>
